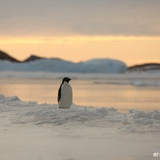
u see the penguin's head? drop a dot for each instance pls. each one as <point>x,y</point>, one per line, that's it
<point>66,79</point>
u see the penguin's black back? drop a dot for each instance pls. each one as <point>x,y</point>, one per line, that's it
<point>66,79</point>
<point>59,93</point>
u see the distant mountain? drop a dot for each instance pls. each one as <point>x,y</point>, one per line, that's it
<point>145,67</point>
<point>33,58</point>
<point>5,56</point>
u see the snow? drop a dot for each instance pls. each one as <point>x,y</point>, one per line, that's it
<point>44,132</point>
<point>55,65</point>
<point>31,112</point>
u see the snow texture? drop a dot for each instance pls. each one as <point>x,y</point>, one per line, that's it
<point>44,132</point>
<point>50,114</point>
<point>55,65</point>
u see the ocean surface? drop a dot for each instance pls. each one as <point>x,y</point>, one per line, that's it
<point>120,91</point>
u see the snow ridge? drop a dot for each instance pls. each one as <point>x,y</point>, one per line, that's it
<point>49,114</point>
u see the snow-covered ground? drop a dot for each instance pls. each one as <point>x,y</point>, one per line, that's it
<point>32,131</point>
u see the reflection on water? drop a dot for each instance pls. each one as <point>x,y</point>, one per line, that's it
<point>86,93</point>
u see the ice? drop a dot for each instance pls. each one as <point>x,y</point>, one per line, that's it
<point>126,78</point>
<point>55,65</point>
<point>50,114</point>
<point>146,83</point>
<point>137,83</point>
<point>29,130</point>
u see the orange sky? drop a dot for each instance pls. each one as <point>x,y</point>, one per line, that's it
<point>130,49</point>
<point>79,30</point>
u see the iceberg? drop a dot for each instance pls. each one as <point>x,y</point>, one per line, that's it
<point>57,65</point>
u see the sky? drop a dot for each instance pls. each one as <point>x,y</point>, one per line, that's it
<point>78,30</point>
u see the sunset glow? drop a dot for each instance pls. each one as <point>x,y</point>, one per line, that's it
<point>130,49</point>
<point>73,39</point>
<point>80,30</point>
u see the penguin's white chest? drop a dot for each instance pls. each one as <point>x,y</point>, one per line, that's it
<point>66,96</point>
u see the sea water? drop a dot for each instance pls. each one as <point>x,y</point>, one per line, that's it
<point>118,91</point>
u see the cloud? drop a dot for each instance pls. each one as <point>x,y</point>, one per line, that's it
<point>82,17</point>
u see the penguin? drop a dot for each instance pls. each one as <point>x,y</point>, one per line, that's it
<point>64,97</point>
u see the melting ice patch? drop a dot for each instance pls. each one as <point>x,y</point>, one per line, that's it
<point>20,112</point>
